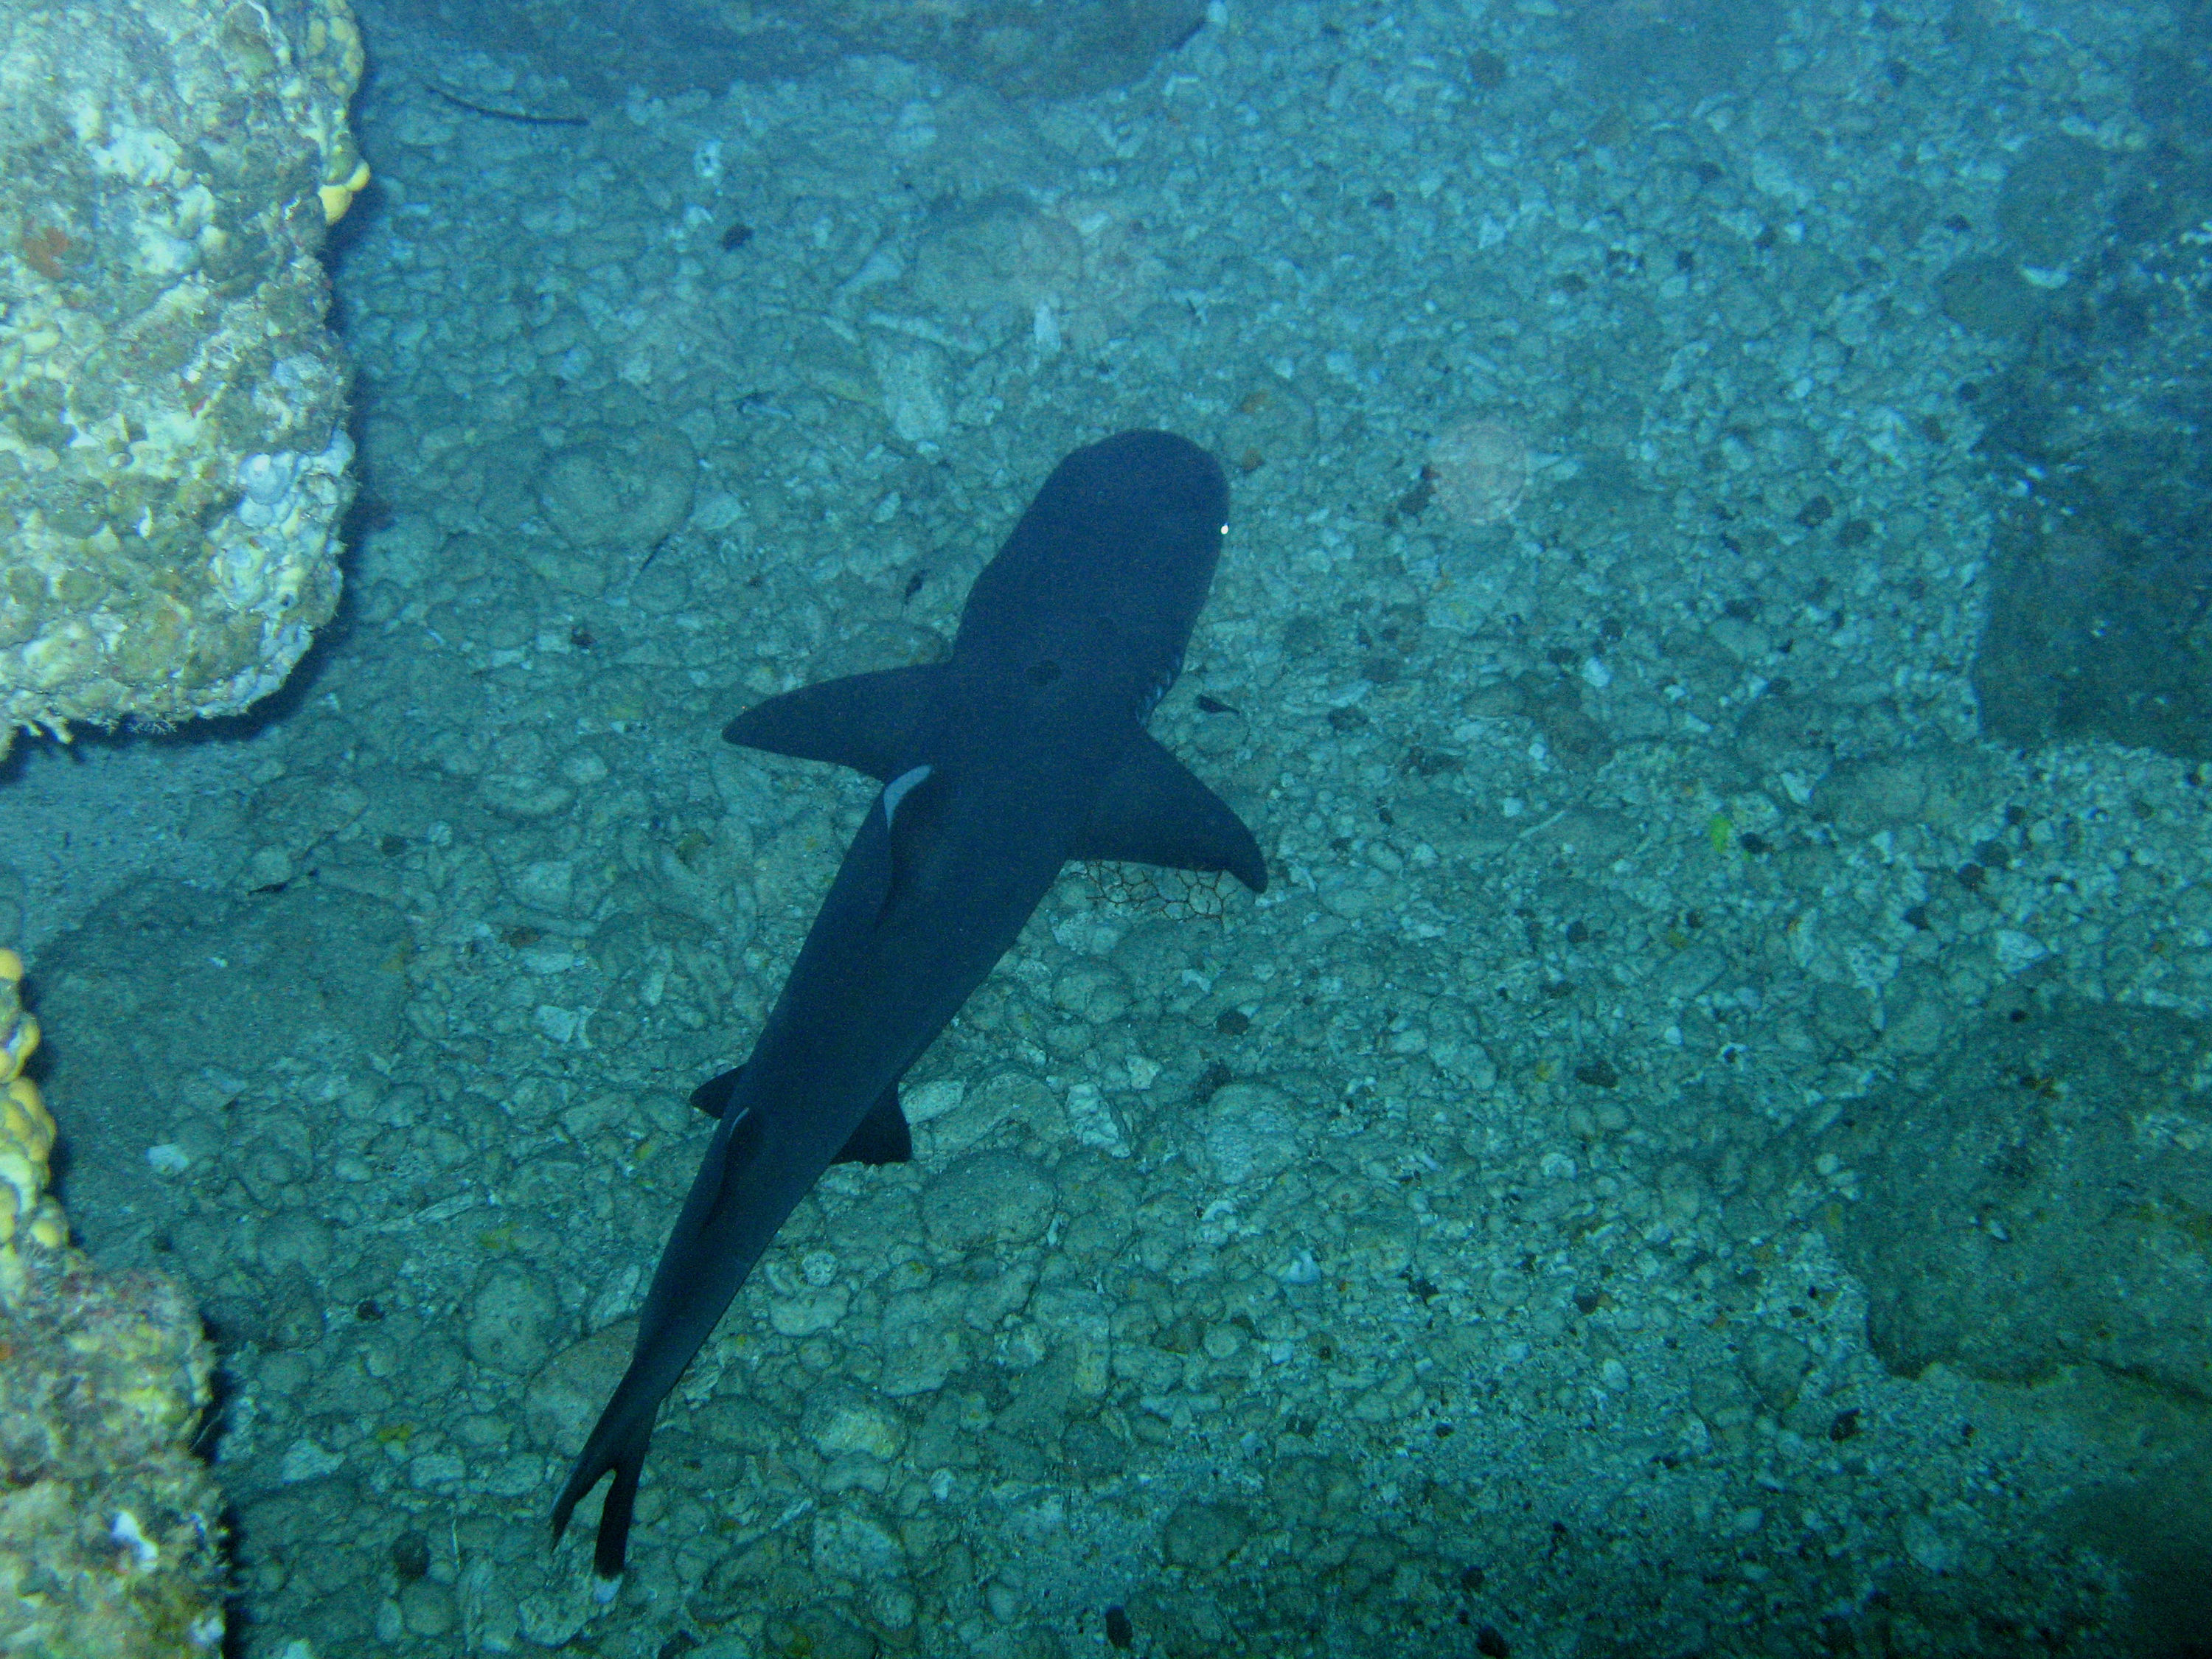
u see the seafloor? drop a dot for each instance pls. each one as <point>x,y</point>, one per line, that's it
<point>1703,1148</point>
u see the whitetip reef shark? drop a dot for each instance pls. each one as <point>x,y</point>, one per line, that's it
<point>1024,750</point>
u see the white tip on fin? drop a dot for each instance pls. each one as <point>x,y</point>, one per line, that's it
<point>896,791</point>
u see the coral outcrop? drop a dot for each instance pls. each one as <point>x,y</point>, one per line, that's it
<point>173,465</point>
<point>110,1542</point>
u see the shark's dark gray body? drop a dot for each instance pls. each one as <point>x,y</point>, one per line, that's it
<point>1027,748</point>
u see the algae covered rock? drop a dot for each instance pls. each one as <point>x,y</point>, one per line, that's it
<point>1020,48</point>
<point>173,465</point>
<point>2041,1199</point>
<point>612,495</point>
<point>110,1528</point>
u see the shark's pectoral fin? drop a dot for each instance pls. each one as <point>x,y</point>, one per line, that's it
<point>864,721</point>
<point>1153,811</point>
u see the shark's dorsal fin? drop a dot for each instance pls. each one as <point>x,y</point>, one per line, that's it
<point>882,1137</point>
<point>865,721</point>
<point>1153,811</point>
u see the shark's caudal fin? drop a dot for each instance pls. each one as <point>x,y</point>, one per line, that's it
<point>619,1444</point>
<point>864,721</point>
<point>1153,811</point>
<point>679,1312</point>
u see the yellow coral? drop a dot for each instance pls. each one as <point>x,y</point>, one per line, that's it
<point>26,1139</point>
<point>24,1118</point>
<point>337,198</point>
<point>49,1226</point>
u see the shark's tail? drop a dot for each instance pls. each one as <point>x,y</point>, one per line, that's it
<point>618,1445</point>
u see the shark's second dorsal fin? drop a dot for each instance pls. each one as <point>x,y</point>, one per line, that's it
<point>882,1137</point>
<point>865,721</point>
<point>1153,811</point>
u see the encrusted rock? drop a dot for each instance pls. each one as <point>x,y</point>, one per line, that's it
<point>990,1198</point>
<point>173,461</point>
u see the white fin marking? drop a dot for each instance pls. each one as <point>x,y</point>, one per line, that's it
<point>896,791</point>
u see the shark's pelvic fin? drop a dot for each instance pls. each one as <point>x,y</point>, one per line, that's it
<point>713,1097</point>
<point>883,1136</point>
<point>1153,811</point>
<point>865,721</point>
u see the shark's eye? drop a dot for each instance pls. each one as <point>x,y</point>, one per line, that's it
<point>1043,674</point>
